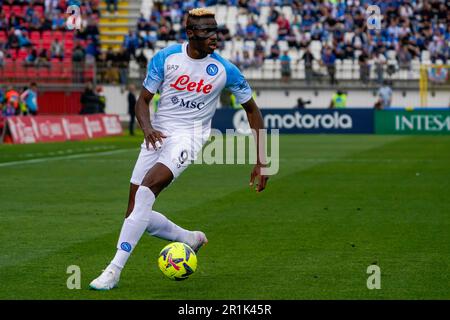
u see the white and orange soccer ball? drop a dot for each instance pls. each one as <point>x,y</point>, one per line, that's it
<point>177,261</point>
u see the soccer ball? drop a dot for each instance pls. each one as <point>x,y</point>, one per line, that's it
<point>177,261</point>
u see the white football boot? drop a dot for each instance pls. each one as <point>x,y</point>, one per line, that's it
<point>106,281</point>
<point>200,240</point>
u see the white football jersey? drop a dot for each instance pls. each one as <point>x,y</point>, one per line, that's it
<point>190,88</point>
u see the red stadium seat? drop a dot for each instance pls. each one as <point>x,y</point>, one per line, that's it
<point>9,74</point>
<point>35,35</point>
<point>67,69</point>
<point>46,45</point>
<point>32,73</point>
<point>3,37</point>
<point>7,10</point>
<point>68,36</point>
<point>22,54</point>
<point>55,73</point>
<point>24,11</point>
<point>17,10</point>
<point>66,74</point>
<point>36,43</point>
<point>20,72</point>
<point>68,46</point>
<point>44,73</point>
<point>13,53</point>
<point>39,11</point>
<point>47,35</point>
<point>58,35</point>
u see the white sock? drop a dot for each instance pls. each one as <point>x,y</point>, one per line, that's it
<point>161,227</point>
<point>134,226</point>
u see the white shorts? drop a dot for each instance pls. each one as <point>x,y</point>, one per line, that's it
<point>176,153</point>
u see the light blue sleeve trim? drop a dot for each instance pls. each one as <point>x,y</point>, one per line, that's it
<point>155,70</point>
<point>235,80</point>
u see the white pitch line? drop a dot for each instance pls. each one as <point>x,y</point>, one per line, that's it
<point>74,156</point>
<point>355,160</point>
<point>312,160</point>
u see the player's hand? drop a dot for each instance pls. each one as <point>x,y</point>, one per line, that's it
<point>261,179</point>
<point>153,137</point>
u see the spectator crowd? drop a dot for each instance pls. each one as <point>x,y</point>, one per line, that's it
<point>34,32</point>
<point>323,31</point>
<point>407,29</point>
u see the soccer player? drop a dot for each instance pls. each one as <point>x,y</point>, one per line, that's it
<point>189,77</point>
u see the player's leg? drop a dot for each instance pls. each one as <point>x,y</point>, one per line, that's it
<point>178,153</point>
<point>110,276</point>
<point>160,226</point>
<point>141,217</point>
<point>131,196</point>
<point>172,160</point>
<point>156,179</point>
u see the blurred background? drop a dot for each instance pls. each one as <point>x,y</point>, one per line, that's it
<point>295,54</point>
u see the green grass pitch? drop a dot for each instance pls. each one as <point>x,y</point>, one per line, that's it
<point>338,204</point>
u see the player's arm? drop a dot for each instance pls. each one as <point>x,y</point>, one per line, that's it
<point>24,95</point>
<point>142,110</point>
<point>256,122</point>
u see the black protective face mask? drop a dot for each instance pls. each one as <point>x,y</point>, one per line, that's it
<point>204,32</point>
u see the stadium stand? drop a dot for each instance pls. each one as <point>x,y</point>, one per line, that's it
<point>115,25</point>
<point>412,33</point>
<point>115,45</point>
<point>36,44</point>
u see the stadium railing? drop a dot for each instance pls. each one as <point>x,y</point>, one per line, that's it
<point>54,72</point>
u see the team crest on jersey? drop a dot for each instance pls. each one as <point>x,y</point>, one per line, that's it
<point>212,69</point>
